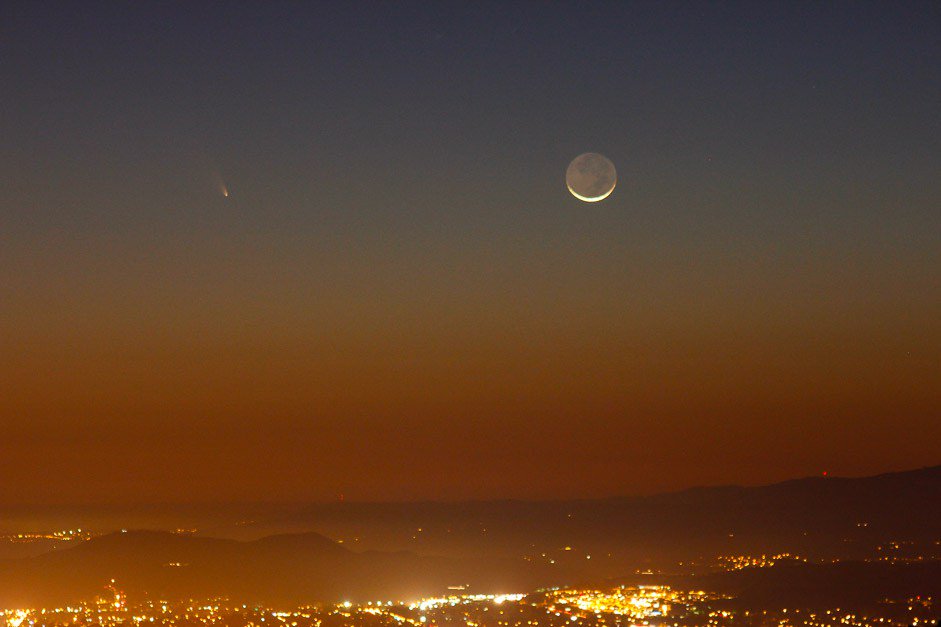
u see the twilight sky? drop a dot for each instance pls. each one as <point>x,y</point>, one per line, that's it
<point>399,299</point>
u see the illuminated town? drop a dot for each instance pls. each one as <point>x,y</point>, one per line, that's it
<point>65,535</point>
<point>641,605</point>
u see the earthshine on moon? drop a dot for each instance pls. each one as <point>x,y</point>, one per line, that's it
<point>591,177</point>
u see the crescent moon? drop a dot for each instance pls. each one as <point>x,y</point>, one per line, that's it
<point>591,177</point>
<point>586,198</point>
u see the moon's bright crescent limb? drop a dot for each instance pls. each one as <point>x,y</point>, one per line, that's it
<point>595,198</point>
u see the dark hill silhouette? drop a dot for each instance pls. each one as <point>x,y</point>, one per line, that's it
<point>846,584</point>
<point>171,564</point>
<point>823,516</point>
<point>286,568</point>
<point>499,545</point>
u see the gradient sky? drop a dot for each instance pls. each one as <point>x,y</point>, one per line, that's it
<point>399,299</point>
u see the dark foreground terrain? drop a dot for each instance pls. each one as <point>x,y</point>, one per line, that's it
<point>850,539</point>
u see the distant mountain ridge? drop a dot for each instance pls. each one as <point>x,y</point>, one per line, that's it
<point>810,515</point>
<point>406,550</point>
